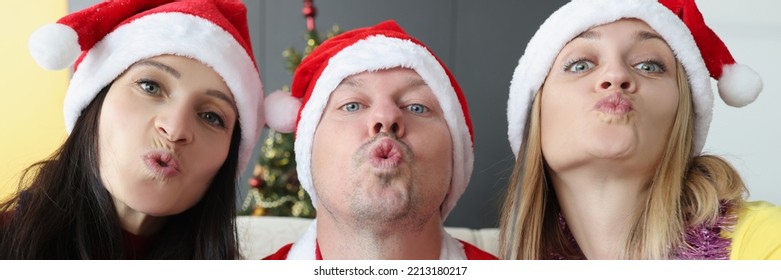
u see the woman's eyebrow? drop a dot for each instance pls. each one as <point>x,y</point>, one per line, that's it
<point>645,35</point>
<point>222,96</point>
<point>161,66</point>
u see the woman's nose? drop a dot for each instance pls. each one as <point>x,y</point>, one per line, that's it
<point>175,125</point>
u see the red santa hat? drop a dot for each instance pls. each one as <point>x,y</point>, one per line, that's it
<point>102,41</point>
<point>383,46</point>
<point>679,22</point>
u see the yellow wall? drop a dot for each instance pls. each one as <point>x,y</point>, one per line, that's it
<point>31,119</point>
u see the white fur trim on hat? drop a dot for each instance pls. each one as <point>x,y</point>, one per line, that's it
<point>579,16</point>
<point>376,53</point>
<point>184,35</point>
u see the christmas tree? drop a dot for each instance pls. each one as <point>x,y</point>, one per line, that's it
<point>274,186</point>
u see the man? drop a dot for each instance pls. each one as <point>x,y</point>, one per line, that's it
<point>383,146</point>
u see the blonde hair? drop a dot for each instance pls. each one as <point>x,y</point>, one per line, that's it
<point>685,190</point>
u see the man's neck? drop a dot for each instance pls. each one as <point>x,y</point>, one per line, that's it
<point>394,241</point>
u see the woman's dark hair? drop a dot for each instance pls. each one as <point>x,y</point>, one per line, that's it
<point>67,213</point>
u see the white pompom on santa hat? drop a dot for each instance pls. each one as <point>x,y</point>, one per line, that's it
<point>102,41</point>
<point>281,111</point>
<point>700,51</point>
<point>43,40</point>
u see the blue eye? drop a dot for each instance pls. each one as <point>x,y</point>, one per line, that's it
<point>351,107</point>
<point>150,87</point>
<point>417,108</point>
<point>650,67</point>
<point>213,119</point>
<point>579,66</point>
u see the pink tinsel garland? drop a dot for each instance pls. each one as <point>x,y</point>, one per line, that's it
<point>703,242</point>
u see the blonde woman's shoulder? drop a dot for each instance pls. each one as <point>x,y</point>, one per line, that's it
<point>757,234</point>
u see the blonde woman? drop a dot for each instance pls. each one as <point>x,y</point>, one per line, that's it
<point>608,112</point>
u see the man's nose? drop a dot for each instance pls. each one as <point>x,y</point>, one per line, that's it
<point>386,118</point>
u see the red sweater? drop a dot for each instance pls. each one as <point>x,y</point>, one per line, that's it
<point>136,247</point>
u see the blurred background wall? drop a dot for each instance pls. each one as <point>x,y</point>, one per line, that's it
<point>31,118</point>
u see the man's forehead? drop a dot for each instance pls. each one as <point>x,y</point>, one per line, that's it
<point>359,80</point>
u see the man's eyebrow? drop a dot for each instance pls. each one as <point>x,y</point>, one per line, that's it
<point>351,81</point>
<point>412,82</point>
<point>415,82</point>
<point>161,66</point>
<point>225,97</point>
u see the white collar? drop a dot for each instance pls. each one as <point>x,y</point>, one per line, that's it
<point>304,248</point>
